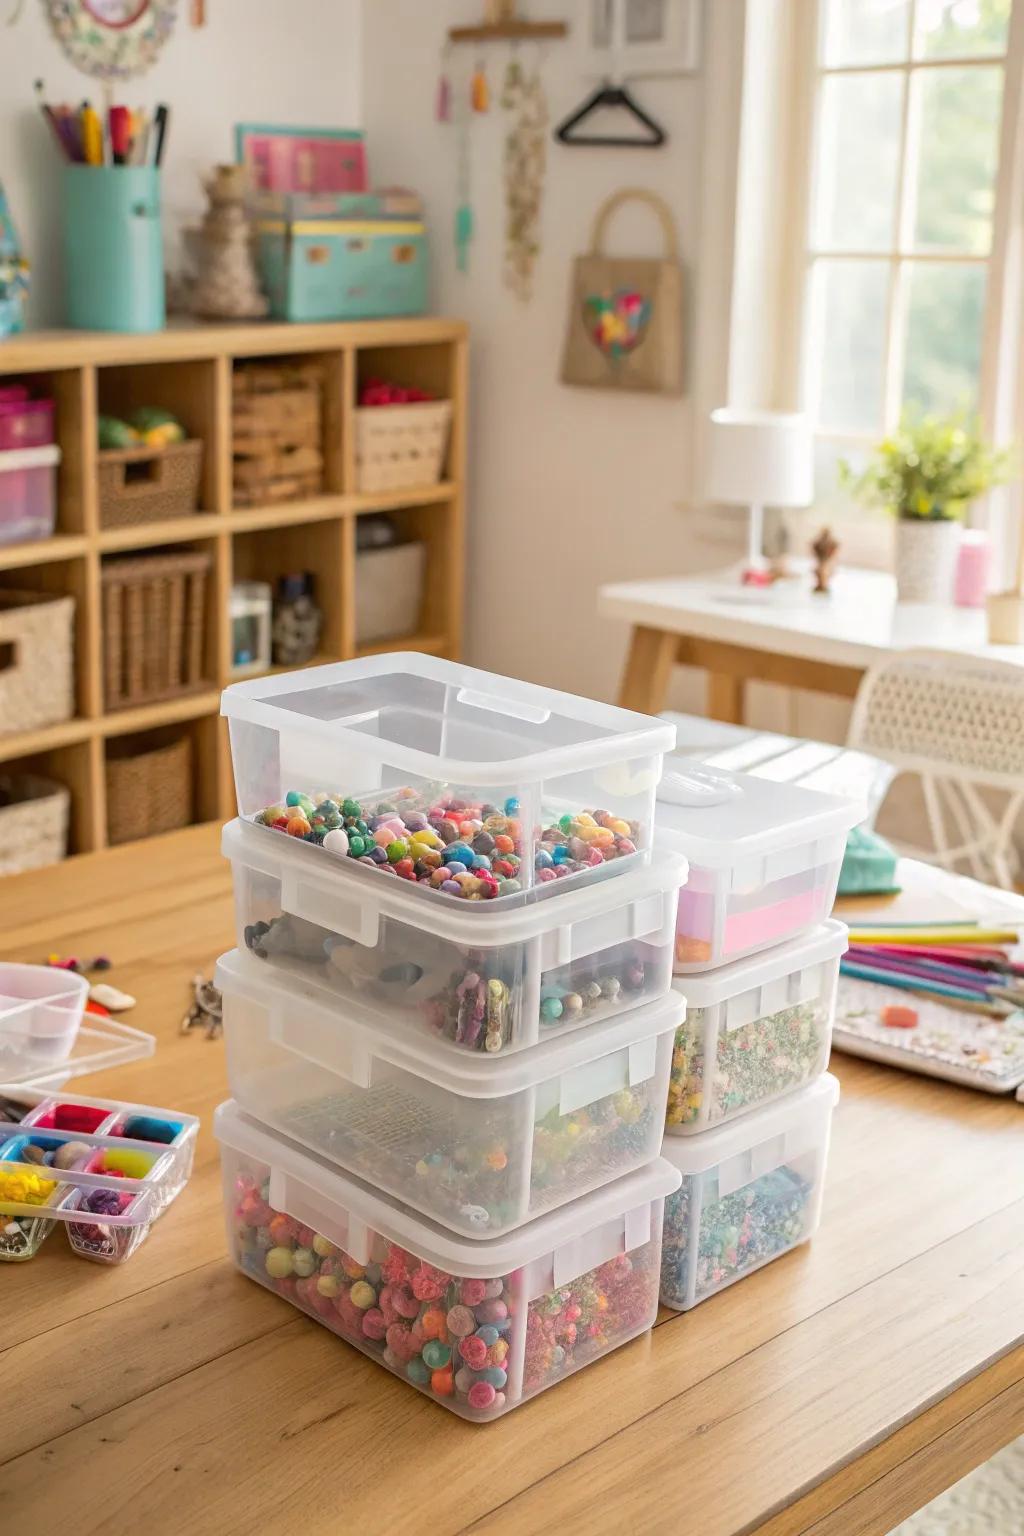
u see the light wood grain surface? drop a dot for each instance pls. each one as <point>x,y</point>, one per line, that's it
<point>829,1394</point>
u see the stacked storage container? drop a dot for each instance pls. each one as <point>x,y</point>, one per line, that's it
<point>449,1018</point>
<point>750,1102</point>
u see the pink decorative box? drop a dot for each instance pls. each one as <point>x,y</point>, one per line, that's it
<point>302,159</point>
<point>24,423</point>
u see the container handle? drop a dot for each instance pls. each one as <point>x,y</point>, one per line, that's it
<point>571,1260</point>
<point>697,787</point>
<point>352,914</point>
<point>314,1034</point>
<point>535,714</point>
<point>293,1197</point>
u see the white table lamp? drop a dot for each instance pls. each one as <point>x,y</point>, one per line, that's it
<point>759,459</point>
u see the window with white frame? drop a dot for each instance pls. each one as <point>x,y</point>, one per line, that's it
<point>903,228</point>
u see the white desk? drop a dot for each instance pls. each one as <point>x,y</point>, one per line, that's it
<point>783,634</point>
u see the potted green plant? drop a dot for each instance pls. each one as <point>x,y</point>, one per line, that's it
<point>926,474</point>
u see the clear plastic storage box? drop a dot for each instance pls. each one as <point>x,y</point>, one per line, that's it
<point>462,783</point>
<point>751,1190</point>
<point>28,493</point>
<point>41,1009</point>
<point>764,860</point>
<point>480,1143</point>
<point>478,1326</point>
<point>463,974</point>
<point>754,1030</point>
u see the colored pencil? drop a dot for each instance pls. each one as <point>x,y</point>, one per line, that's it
<point>937,935</point>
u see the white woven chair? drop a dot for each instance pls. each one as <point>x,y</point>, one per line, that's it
<point>957,722</point>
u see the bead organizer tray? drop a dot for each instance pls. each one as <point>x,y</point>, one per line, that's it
<point>764,863</point>
<point>410,764</point>
<point>106,1188</point>
<point>754,1030</point>
<point>479,1326</point>
<point>469,978</point>
<point>751,1190</point>
<point>480,1143</point>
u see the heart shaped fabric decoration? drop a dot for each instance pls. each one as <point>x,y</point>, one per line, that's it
<point>616,322</point>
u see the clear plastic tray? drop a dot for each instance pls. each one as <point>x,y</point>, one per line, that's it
<point>751,1190</point>
<point>465,976</point>
<point>436,761</point>
<point>764,861</point>
<point>480,1144</point>
<point>478,1326</point>
<point>114,1188</point>
<point>41,1009</point>
<point>28,493</point>
<point>754,1030</point>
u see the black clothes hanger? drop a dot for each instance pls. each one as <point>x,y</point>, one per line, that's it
<point>608,95</point>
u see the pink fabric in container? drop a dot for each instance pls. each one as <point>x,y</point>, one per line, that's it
<point>24,423</point>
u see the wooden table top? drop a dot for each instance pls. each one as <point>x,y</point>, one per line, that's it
<point>831,1393</point>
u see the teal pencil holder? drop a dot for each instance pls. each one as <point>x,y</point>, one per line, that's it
<point>113,248</point>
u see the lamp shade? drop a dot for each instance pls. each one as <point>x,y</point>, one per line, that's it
<point>761,458</point>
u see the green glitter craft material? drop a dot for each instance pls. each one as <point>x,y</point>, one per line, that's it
<point>752,1064</point>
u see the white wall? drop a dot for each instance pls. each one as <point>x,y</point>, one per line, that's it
<point>569,488</point>
<point>255,60</point>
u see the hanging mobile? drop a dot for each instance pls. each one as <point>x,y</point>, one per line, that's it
<point>463,191</point>
<point>525,167</point>
<point>513,82</point>
<point>479,92</point>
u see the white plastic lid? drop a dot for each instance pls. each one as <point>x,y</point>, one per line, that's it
<point>792,1117</point>
<point>338,1196</point>
<point>763,818</point>
<point>29,458</point>
<point>826,942</point>
<point>490,730</point>
<point>100,1043</point>
<point>353,1034</point>
<point>460,922</point>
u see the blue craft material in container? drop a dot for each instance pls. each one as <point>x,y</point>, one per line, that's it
<point>113,248</point>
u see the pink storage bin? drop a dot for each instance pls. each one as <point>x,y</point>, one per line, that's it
<point>28,493</point>
<point>24,423</point>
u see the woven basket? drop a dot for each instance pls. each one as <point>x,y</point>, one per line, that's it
<point>401,446</point>
<point>153,608</point>
<point>149,785</point>
<point>389,591</point>
<point>145,485</point>
<point>36,660</point>
<point>33,822</point>
<point>277,432</point>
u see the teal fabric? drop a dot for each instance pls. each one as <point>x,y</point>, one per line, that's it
<point>869,865</point>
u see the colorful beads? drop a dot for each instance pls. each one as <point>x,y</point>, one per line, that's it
<point>478,846</point>
<point>751,1064</point>
<point>736,1233</point>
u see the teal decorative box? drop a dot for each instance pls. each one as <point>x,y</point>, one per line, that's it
<point>343,269</point>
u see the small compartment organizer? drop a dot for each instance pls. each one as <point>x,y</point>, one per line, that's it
<point>399,447</point>
<point>106,1186</point>
<point>478,1326</point>
<point>755,1029</point>
<point>751,1191</point>
<point>41,1010</point>
<point>764,860</point>
<point>28,493</point>
<point>481,1145</point>
<point>36,665</point>
<point>419,763</point>
<point>153,626</point>
<point>455,971</point>
<point>145,485</point>
<point>34,813</point>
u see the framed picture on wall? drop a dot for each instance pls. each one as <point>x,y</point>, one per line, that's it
<point>629,39</point>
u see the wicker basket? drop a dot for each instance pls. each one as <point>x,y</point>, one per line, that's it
<point>33,822</point>
<point>389,591</point>
<point>401,446</point>
<point>149,785</point>
<point>145,485</point>
<point>277,432</point>
<point>36,660</point>
<point>153,607</point>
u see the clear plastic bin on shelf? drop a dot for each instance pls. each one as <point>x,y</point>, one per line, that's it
<point>41,1008</point>
<point>479,1143</point>
<point>465,784</point>
<point>764,859</point>
<point>751,1190</point>
<point>754,1030</point>
<point>459,972</point>
<point>28,493</point>
<point>479,1326</point>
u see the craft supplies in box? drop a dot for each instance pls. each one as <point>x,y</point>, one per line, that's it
<point>37,635</point>
<point>466,784</point>
<point>478,1325</point>
<point>28,493</point>
<point>153,608</point>
<point>343,269</point>
<point>764,859</point>
<point>455,971</point>
<point>754,1030</point>
<point>480,1143</point>
<point>33,822</point>
<point>106,1187</point>
<point>751,1190</point>
<point>251,612</point>
<point>401,438</point>
<point>40,1013</point>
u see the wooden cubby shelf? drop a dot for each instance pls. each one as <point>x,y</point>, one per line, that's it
<point>188,369</point>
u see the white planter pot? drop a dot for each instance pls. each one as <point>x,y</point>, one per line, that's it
<point>926,560</point>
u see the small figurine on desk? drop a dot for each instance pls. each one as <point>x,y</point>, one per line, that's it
<point>824,549</point>
<point>227,287</point>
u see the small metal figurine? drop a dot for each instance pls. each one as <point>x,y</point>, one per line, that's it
<point>824,549</point>
<point>206,1010</point>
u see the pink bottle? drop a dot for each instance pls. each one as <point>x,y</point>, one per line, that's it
<point>973,560</point>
